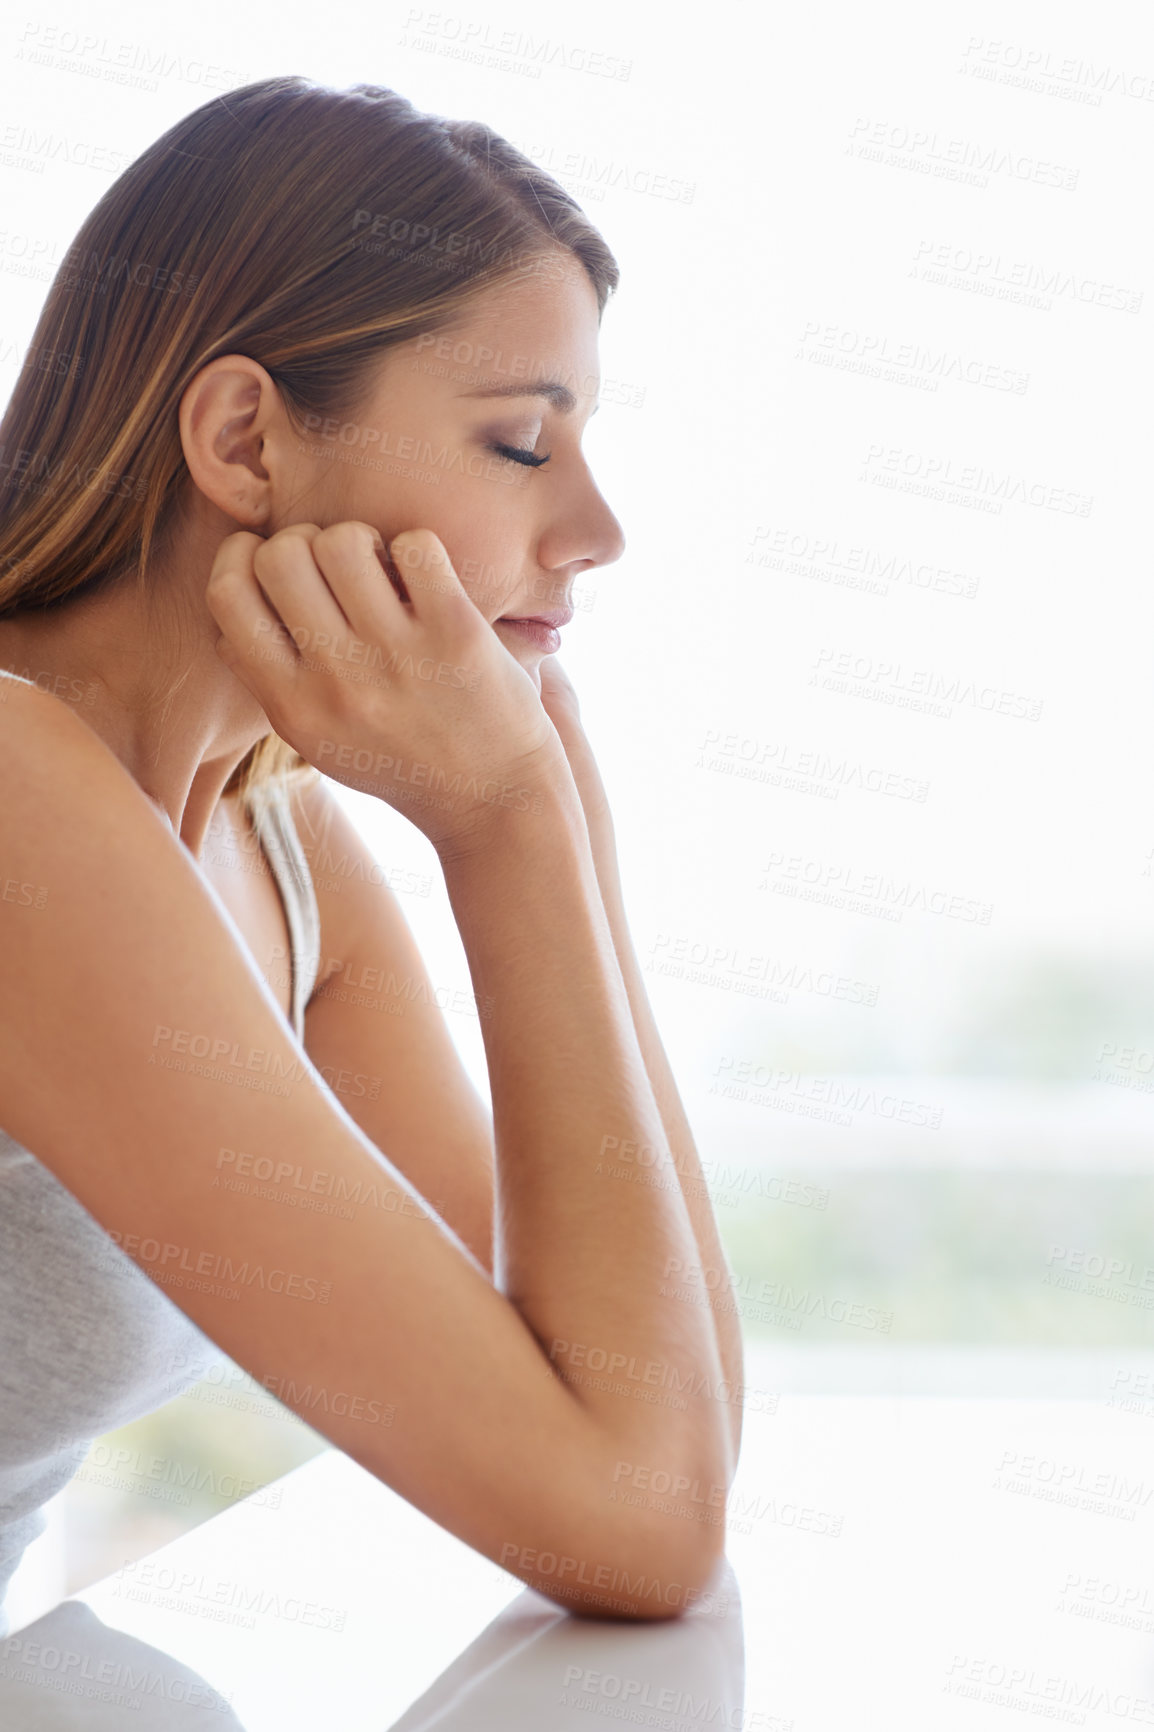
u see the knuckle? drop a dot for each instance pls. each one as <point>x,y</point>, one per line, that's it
<point>219,579</point>
<point>266,557</point>
<point>237,542</point>
<point>413,540</point>
<point>348,538</point>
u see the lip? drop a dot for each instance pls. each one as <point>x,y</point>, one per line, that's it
<point>536,631</point>
<point>556,617</point>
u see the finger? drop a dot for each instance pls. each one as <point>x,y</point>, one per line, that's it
<point>293,580</point>
<point>350,555</point>
<point>251,630</point>
<point>428,572</point>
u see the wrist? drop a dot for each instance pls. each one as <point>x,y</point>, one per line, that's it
<point>587,776</point>
<point>527,812</point>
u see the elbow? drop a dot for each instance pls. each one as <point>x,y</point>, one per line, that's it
<point>646,1575</point>
<point>664,1583</point>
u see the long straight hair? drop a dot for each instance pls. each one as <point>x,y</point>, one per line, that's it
<point>308,228</point>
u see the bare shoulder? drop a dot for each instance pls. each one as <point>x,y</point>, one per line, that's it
<point>57,775</point>
<point>26,706</point>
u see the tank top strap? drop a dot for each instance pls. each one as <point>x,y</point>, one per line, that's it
<point>277,833</point>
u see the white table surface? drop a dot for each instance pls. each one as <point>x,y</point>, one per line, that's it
<point>921,1562</point>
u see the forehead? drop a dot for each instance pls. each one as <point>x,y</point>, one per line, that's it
<point>541,324</point>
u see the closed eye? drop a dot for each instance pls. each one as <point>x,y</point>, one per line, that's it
<point>514,454</point>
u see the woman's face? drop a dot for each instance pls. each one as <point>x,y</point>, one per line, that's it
<point>442,439</point>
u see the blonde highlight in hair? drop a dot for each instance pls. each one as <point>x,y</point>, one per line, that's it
<point>251,227</point>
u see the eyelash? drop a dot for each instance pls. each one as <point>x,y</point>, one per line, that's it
<point>513,454</point>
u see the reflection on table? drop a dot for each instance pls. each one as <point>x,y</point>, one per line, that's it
<point>892,1562</point>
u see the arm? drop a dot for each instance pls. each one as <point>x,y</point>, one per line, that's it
<point>423,1108</point>
<point>375,1011</point>
<point>560,700</point>
<point>489,1431</point>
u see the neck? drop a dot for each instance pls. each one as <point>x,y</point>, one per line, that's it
<point>140,668</point>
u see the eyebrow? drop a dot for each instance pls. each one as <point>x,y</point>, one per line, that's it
<point>559,395</point>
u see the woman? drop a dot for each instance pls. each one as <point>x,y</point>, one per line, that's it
<point>297,448</point>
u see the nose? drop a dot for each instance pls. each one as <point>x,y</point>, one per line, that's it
<point>588,535</point>
<point>612,536</point>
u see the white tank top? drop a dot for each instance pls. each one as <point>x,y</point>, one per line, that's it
<point>87,1341</point>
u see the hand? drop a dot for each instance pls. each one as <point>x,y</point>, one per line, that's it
<point>561,704</point>
<point>390,681</point>
<point>559,698</point>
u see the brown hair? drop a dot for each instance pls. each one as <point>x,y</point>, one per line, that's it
<point>307,228</point>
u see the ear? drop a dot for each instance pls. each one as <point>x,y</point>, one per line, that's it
<point>226,413</point>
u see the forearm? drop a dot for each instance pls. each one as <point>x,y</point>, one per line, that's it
<point>583,1257</point>
<point>679,1137</point>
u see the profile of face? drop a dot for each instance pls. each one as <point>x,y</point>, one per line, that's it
<point>472,430</point>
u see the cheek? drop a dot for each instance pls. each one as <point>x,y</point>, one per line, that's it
<point>481,541</point>
<point>476,518</point>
